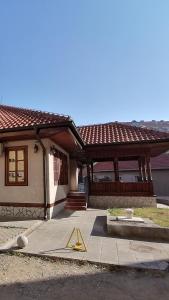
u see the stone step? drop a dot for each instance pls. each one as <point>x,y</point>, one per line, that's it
<point>76,194</point>
<point>74,203</point>
<point>76,197</point>
<point>75,207</point>
<point>75,200</point>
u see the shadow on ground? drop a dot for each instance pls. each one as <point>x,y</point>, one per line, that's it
<point>107,285</point>
<point>100,227</point>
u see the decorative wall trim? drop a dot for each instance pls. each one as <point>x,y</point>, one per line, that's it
<point>21,204</point>
<point>56,202</point>
<point>28,210</point>
<point>41,205</point>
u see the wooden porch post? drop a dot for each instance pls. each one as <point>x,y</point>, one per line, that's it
<point>91,171</point>
<point>88,178</point>
<point>140,168</point>
<point>80,174</point>
<point>148,165</point>
<point>144,169</point>
<point>116,169</point>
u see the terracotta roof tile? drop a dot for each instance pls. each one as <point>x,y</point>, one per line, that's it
<point>109,133</point>
<point>14,117</point>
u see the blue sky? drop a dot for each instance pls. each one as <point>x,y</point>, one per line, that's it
<point>96,60</point>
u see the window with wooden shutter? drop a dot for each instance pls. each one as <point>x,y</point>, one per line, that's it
<point>60,167</point>
<point>16,166</point>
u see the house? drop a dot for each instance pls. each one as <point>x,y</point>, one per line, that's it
<point>36,169</point>
<point>41,154</point>
<point>129,172</point>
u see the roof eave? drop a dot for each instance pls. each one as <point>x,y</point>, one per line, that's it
<point>129,143</point>
<point>70,124</point>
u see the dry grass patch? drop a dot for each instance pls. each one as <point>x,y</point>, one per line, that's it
<point>159,216</point>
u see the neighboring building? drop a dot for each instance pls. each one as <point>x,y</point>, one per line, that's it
<point>40,154</point>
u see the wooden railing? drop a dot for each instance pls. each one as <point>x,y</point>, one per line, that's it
<point>121,188</point>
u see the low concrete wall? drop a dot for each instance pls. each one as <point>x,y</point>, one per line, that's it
<point>146,231</point>
<point>105,202</point>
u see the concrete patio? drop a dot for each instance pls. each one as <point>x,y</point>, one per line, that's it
<point>50,239</point>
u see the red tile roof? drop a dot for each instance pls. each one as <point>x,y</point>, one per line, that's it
<point>18,118</point>
<point>109,133</point>
<point>159,162</point>
<point>14,117</point>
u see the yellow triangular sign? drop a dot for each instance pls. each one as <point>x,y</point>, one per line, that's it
<point>76,241</point>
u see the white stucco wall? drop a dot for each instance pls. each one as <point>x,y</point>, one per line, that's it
<point>73,175</point>
<point>56,192</point>
<point>33,193</point>
<point>24,194</point>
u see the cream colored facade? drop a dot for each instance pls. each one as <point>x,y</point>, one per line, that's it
<point>55,192</point>
<point>32,195</point>
<point>24,194</point>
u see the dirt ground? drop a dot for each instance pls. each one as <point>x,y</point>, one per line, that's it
<point>32,278</point>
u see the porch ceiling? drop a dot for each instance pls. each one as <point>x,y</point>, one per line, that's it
<point>61,136</point>
<point>66,140</point>
<point>125,152</point>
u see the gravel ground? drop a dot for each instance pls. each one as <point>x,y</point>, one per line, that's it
<point>7,234</point>
<point>33,278</point>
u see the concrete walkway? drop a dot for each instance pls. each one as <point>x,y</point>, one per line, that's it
<point>163,200</point>
<point>51,237</point>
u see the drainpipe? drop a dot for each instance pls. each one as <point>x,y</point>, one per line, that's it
<point>44,172</point>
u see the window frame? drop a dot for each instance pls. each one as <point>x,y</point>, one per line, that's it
<point>16,183</point>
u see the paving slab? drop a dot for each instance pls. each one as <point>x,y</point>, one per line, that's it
<point>51,237</point>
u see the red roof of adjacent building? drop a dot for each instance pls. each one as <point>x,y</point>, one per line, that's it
<point>14,117</point>
<point>109,133</point>
<point>159,162</point>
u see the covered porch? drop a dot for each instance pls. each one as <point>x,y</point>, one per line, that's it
<point>117,143</point>
<point>116,186</point>
<point>121,188</point>
<point>117,192</point>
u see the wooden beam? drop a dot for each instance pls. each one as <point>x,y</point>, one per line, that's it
<point>88,178</point>
<point>148,166</point>
<point>92,171</point>
<point>143,161</point>
<point>140,168</point>
<point>116,169</point>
